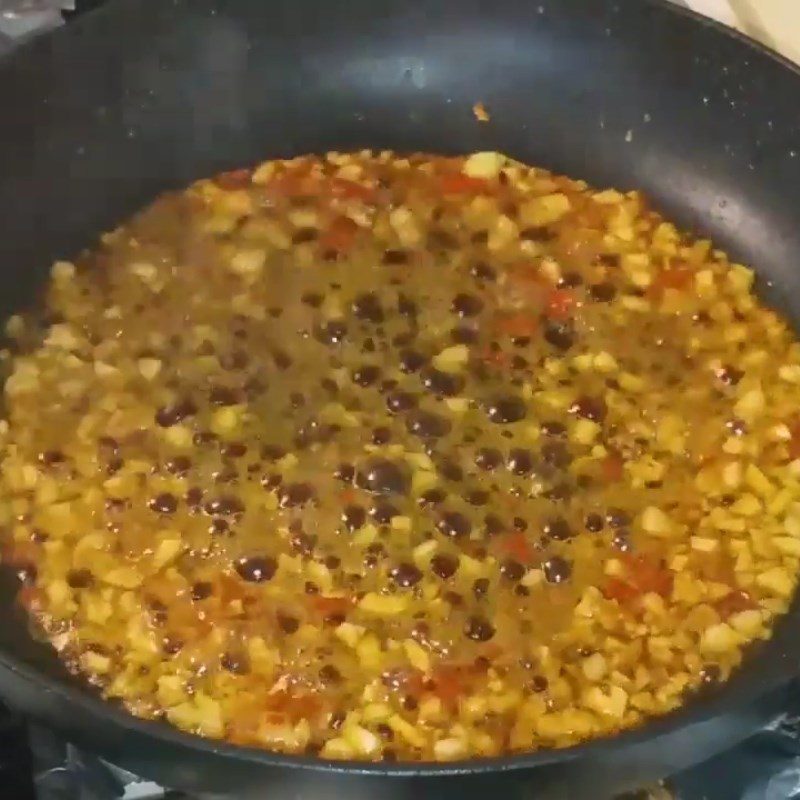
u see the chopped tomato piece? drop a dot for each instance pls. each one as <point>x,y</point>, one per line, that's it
<point>458,183</point>
<point>449,680</point>
<point>20,554</point>
<point>496,358</point>
<point>235,179</point>
<point>644,574</point>
<point>295,183</point>
<point>612,468</point>
<point>329,606</point>
<point>560,304</point>
<point>737,600</point>
<point>519,324</point>
<point>348,495</point>
<point>679,278</point>
<point>295,706</point>
<point>340,187</point>
<point>30,598</point>
<point>525,273</point>
<point>230,589</point>
<point>340,236</point>
<point>621,591</point>
<point>516,544</point>
<point>648,574</point>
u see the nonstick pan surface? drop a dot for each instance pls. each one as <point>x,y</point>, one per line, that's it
<point>142,96</point>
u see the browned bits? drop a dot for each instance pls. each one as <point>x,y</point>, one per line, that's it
<point>520,461</point>
<point>411,361</point>
<point>381,476</point>
<point>538,684</point>
<point>235,662</point>
<point>256,569</point>
<point>493,525</point>
<point>592,408</point>
<point>558,528</point>
<point>594,522</point>
<point>223,396</point>
<point>225,505</point>
<point>444,566</point>
<point>477,497</point>
<point>167,416</point>
<point>730,375</point>
<point>454,524</point>
<point>479,629</point>
<point>405,575</point>
<point>331,332</point>
<point>80,578</point>
<point>287,623</point>
<point>428,425</point>
<point>366,375</point>
<point>179,465</point>
<point>512,570</point>
<point>557,569</point>
<point>618,518</point>
<point>504,410</point>
<point>367,307</point>
<point>411,423</point>
<point>560,335</point>
<point>353,517</point>
<point>51,458</point>
<point>164,503</point>
<point>554,428</point>
<point>433,497</point>
<point>202,590</point>
<point>329,675</point>
<point>381,435</point>
<point>602,292</point>
<point>397,402</point>
<point>488,458</point>
<point>444,384</point>
<point>296,495</point>
<point>467,305</point>
<point>382,512</point>
<point>345,473</point>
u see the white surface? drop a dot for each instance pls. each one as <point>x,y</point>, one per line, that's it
<point>774,22</point>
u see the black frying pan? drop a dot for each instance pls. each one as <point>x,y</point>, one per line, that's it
<point>144,95</point>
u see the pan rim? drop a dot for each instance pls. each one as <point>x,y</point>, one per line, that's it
<point>694,713</point>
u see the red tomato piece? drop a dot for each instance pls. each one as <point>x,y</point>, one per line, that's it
<point>612,468</point>
<point>649,575</point>
<point>339,187</point>
<point>679,278</point>
<point>621,591</point>
<point>560,304</point>
<point>450,686</point>
<point>235,179</point>
<point>516,544</point>
<point>340,236</point>
<point>459,183</point>
<point>295,183</point>
<point>737,600</point>
<point>519,324</point>
<point>330,606</point>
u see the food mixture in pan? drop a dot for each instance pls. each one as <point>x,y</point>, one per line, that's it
<point>395,458</point>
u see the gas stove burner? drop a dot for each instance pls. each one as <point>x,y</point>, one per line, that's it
<point>35,764</point>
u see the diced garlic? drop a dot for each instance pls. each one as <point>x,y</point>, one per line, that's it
<point>483,165</point>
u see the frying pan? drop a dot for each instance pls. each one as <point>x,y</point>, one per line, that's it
<point>142,96</point>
